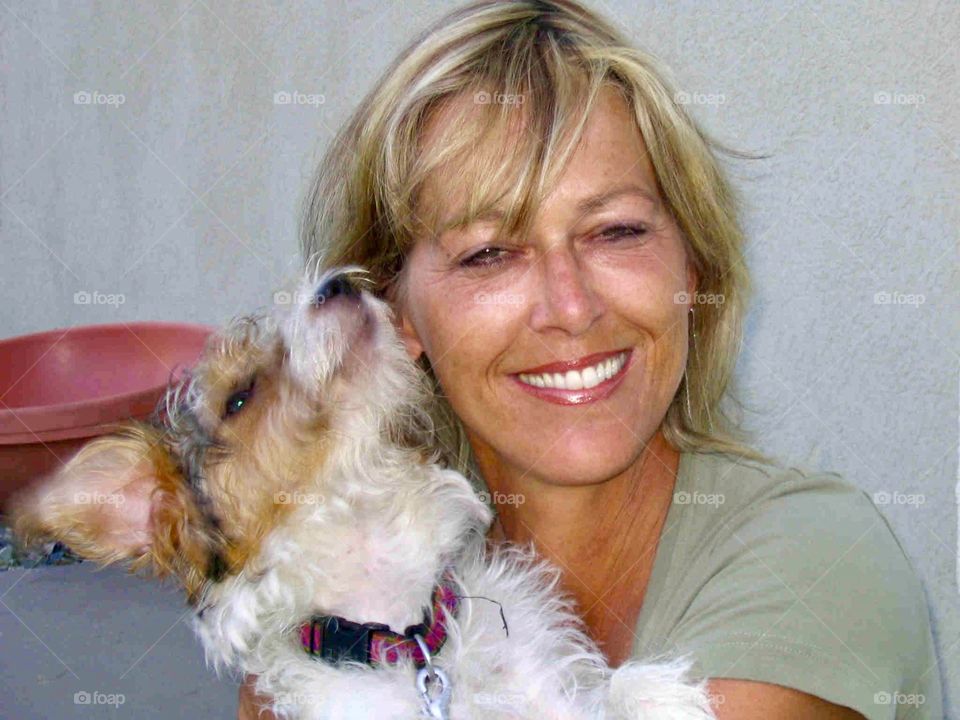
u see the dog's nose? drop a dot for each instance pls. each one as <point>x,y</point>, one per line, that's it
<point>337,285</point>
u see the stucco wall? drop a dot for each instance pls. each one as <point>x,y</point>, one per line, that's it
<point>181,201</point>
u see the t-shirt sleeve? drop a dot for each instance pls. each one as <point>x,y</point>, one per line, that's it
<point>810,589</point>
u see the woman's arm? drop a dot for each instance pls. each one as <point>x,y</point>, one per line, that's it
<point>748,700</point>
<point>248,707</point>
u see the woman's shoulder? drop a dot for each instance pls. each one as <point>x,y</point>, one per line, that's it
<point>747,479</point>
<point>804,520</point>
<point>736,493</point>
<point>786,575</point>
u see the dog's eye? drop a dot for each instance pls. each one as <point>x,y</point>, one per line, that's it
<point>238,400</point>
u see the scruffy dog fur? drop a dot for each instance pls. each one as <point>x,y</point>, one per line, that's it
<point>287,476</point>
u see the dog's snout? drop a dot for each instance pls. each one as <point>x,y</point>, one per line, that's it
<point>337,285</point>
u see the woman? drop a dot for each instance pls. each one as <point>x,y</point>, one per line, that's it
<point>564,257</point>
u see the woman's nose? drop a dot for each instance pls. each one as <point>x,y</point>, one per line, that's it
<point>566,298</point>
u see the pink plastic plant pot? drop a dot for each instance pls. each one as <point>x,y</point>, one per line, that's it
<point>62,387</point>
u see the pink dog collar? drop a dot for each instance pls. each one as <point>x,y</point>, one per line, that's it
<point>337,639</point>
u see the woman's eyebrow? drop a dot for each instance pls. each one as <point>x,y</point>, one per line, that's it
<point>584,206</point>
<point>599,200</point>
<point>460,221</point>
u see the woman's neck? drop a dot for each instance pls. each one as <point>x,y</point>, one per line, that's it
<point>562,516</point>
<point>603,536</point>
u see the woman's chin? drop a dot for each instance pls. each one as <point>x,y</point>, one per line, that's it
<point>586,463</point>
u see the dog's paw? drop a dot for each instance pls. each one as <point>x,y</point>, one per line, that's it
<point>660,691</point>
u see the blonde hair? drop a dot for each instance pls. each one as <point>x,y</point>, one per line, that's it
<point>541,63</point>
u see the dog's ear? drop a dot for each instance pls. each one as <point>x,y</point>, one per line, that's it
<point>102,503</point>
<point>124,497</point>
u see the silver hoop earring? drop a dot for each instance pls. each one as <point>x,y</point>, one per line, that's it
<point>686,373</point>
<point>696,353</point>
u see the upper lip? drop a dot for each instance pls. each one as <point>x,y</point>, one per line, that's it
<point>563,366</point>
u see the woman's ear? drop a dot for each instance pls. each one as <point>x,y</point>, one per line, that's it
<point>408,335</point>
<point>401,320</point>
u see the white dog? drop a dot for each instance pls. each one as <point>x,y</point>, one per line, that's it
<point>285,484</point>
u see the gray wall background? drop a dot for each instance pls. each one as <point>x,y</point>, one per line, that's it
<point>183,199</point>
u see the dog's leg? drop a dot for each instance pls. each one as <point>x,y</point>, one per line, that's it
<point>661,691</point>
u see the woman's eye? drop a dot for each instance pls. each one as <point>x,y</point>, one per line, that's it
<point>490,256</point>
<point>619,231</point>
<point>485,257</point>
<point>237,401</point>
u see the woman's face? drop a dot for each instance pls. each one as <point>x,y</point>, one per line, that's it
<point>603,276</point>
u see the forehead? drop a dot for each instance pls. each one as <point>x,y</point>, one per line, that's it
<point>609,153</point>
<point>239,347</point>
<point>611,150</point>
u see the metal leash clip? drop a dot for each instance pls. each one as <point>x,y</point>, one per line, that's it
<point>435,707</point>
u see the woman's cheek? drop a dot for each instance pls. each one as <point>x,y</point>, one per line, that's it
<point>647,301</point>
<point>491,300</point>
<point>479,352</point>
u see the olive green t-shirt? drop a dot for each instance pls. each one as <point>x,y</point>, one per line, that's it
<point>793,578</point>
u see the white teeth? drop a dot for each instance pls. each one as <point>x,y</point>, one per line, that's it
<point>591,377</point>
<point>578,379</point>
<point>603,371</point>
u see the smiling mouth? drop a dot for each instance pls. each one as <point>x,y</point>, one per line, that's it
<point>577,375</point>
